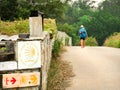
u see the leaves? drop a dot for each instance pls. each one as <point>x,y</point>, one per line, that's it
<point>15,9</point>
<point>113,40</point>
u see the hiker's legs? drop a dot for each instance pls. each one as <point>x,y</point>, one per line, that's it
<point>82,43</point>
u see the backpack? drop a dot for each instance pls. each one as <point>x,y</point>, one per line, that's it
<point>83,33</point>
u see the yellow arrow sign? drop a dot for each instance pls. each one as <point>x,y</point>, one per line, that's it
<point>29,79</point>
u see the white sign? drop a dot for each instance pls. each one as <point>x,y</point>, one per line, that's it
<point>8,65</point>
<point>29,54</point>
<point>20,79</point>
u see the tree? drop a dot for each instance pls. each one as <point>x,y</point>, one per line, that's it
<point>14,9</point>
<point>8,9</point>
<point>53,8</point>
<point>111,6</point>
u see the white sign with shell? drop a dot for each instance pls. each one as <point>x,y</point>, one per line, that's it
<point>29,54</point>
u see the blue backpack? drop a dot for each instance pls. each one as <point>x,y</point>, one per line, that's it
<point>83,33</point>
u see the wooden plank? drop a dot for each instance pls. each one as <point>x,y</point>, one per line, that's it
<point>8,65</point>
<point>29,54</point>
<point>21,80</point>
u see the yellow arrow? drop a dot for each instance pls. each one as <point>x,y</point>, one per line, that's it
<point>33,79</point>
<point>23,80</point>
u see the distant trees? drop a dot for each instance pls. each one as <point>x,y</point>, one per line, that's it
<point>15,9</point>
<point>8,9</point>
<point>100,23</point>
<point>111,6</point>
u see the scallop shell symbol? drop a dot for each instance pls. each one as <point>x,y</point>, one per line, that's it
<point>29,52</point>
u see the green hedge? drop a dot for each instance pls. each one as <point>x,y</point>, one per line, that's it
<point>57,48</point>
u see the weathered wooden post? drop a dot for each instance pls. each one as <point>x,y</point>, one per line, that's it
<point>36,24</point>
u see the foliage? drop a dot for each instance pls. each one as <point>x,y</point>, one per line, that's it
<point>103,25</point>
<point>15,9</point>
<point>74,11</point>
<point>16,27</point>
<point>113,40</point>
<point>56,48</point>
<point>66,41</point>
<point>3,48</point>
<point>22,26</point>
<point>111,6</point>
<point>7,9</point>
<point>52,8</point>
<point>50,26</point>
<point>99,23</point>
<point>69,29</point>
<point>90,41</point>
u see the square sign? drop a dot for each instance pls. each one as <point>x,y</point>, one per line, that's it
<point>29,54</point>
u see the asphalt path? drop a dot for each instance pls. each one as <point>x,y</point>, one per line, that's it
<point>95,68</point>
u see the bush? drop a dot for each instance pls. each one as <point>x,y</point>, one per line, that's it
<point>50,26</point>
<point>22,26</point>
<point>66,41</point>
<point>90,41</point>
<point>113,40</point>
<point>56,48</point>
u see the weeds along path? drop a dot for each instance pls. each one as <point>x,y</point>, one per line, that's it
<point>95,68</point>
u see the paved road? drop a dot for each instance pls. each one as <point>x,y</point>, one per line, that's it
<point>95,68</point>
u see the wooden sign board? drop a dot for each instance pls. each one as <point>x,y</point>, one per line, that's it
<point>10,80</point>
<point>29,54</point>
<point>20,80</point>
<point>8,65</point>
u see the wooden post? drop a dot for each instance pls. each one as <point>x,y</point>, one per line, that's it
<point>35,26</point>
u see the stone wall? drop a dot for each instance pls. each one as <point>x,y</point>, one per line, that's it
<point>66,40</point>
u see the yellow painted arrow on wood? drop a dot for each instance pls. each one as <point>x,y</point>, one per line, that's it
<point>33,79</point>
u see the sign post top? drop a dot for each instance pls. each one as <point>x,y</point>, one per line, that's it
<point>35,13</point>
